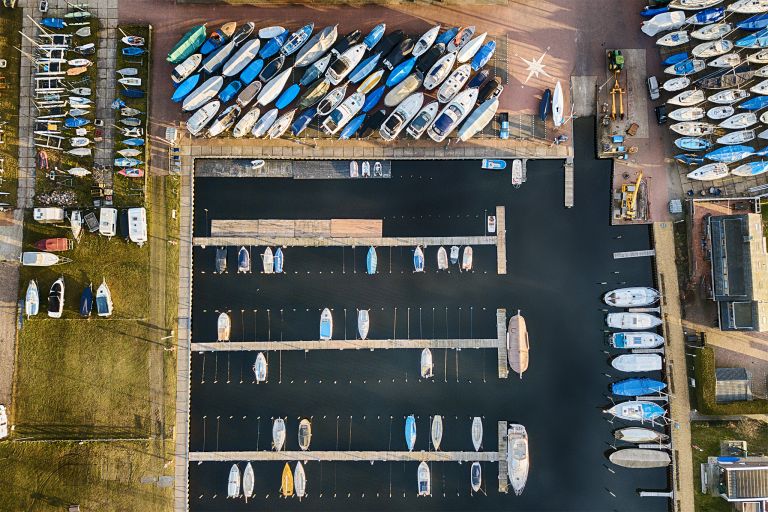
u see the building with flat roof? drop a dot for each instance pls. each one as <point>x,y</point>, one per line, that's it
<point>739,271</point>
<point>742,481</point>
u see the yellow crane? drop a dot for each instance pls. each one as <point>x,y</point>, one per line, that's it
<point>629,192</point>
<point>617,90</point>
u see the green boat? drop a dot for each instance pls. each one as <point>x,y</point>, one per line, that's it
<point>187,44</point>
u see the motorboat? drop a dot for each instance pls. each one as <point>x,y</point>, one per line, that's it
<point>439,71</point>
<point>32,299</point>
<point>466,258</point>
<point>305,434</point>
<point>202,117</point>
<point>223,327</point>
<point>518,344</point>
<point>672,39</point>
<point>272,68</point>
<point>260,367</point>
<point>249,479</point>
<point>477,433</point>
<point>633,340</point>
<point>475,476</point>
<point>403,90</point>
<point>454,254</point>
<point>430,58</point>
<point>363,323</point>
<point>751,169</point>
<point>233,484</point>
<point>56,299</point>
<point>709,172</point>
<point>688,98</point>
<point>302,122</point>
<point>224,121</point>
<point>268,261</point>
<point>638,296</point>
<point>373,121</point>
<point>398,53</point>
<point>637,387</point>
<point>244,56</point>
<point>315,71</point>
<point>418,259</point>
<point>442,258</point>
<point>426,41</point>
<point>640,435</point>
<point>216,59</point>
<point>687,114</point>
<point>692,4</point>
<point>478,119</point>
<point>243,32</point>
<point>720,112</point>
<point>375,35</point>
<point>637,321</point>
<point>300,480</point>
<point>436,432</point>
<point>399,73</point>
<point>389,41</point>
<point>739,137</point>
<point>315,93</point>
<point>368,85</point>
<point>712,32</point>
<point>483,55</point>
<point>54,244</point>
<point>316,47</point>
<point>449,118</point>
<point>558,112</point>
<point>245,124</point>
<point>297,39</point>
<point>278,434</point>
<point>273,88</point>
<point>351,128</point>
<point>410,432</point>
<point>344,113</point>
<point>422,120</point>
<point>331,100</point>
<point>461,38</point>
<point>663,22</point>
<point>278,260</point>
<point>728,96</point>
<point>637,362</point>
<point>264,123</point>
<point>427,366</point>
<point>281,125</point>
<point>203,94</point>
<point>286,481</point>
<point>326,324</point>
<point>518,457</point>
<point>424,480</point>
<point>637,458</point>
<point>371,260</point>
<point>636,410</point>
<point>491,223</point>
<point>345,63</point>
<point>469,50</point>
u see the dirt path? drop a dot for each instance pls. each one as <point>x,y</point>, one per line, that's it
<point>9,280</point>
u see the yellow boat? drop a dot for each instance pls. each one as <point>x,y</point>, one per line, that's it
<point>286,487</point>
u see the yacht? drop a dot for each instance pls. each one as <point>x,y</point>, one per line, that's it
<point>517,344</point>
<point>638,296</point>
<point>248,481</point>
<point>518,458</point>
<point>632,321</point>
<point>56,299</point>
<point>233,485</point>
<point>636,340</point>
<point>300,480</point>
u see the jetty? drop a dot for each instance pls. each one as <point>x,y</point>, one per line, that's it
<point>346,456</point>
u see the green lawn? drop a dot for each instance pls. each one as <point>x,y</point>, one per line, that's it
<point>10,25</point>
<point>707,437</point>
<point>705,390</point>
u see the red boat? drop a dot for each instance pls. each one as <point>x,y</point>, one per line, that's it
<point>131,173</point>
<point>54,244</point>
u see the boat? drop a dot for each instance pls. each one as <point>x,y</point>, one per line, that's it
<point>709,172</point>
<point>712,32</point>
<point>245,124</point>
<point>243,260</point>
<point>631,297</point>
<point>688,67</point>
<point>632,320</point>
<point>676,84</point>
<point>748,6</point>
<point>398,53</point>
<point>314,94</point>
<point>251,71</point>
<point>739,137</point>
<point>300,480</point>
<point>75,122</point>
<point>739,121</point>
<point>728,78</point>
<point>720,112</point>
<point>558,114</point>
<point>729,60</point>
<point>730,154</point>
<point>425,480</point>
<point>410,432</point>
<point>264,123</point>
<point>728,96</point>
<point>675,58</point>
<point>363,323</point>
<point>305,434</point>
<point>400,72</point>
<point>426,41</point>
<point>706,16</point>
<point>518,457</point>
<point>270,32</point>
<point>477,433</point>
<point>135,141</point>
<point>224,121</point>
<point>326,324</point>
<point>439,71</point>
<point>462,38</point>
<point>375,35</point>
<point>479,119</point>
<point>373,121</point>
<point>218,38</point>
<point>242,33</point>
<point>760,88</point>
<point>297,39</point>
<point>278,260</point>
<point>364,68</point>
<point>518,344</point>
<point>55,23</point>
<point>268,261</point>
<point>751,169</point>
<point>447,36</point>
<point>365,171</point>
<point>54,244</point>
<point>133,40</point>
<point>286,481</point>
<point>756,103</point>
<point>637,387</point>
<point>404,89</point>
<point>455,250</point>
<point>371,260</point>
<point>56,298</point>
<point>244,56</point>
<point>692,4</point>
<point>636,410</point>
<point>468,51</point>
<point>475,476</point>
<point>483,55</point>
<point>278,434</point>
<point>217,58</point>
<point>640,435</point>
<point>346,62</point>
<point>633,340</point>
<point>673,38</point>
<point>346,42</point>
<point>422,120</point>
<point>78,171</point>
<point>756,22</point>
<point>466,259</point>
<point>692,143</point>
<point>273,88</point>
<point>287,96</point>
<point>221,260</point>
<point>689,159</point>
<point>233,484</point>
<point>452,115</point>
<point>442,258</point>
<point>272,68</point>
<point>418,259</point>
<point>429,59</point>
<point>669,20</point>
<point>248,481</point>
<point>368,85</point>
<point>713,48</point>
<point>637,458</point>
<point>260,367</point>
<point>693,128</point>
<point>133,51</point>
<point>427,366</point>
<point>202,94</point>
<point>454,83</point>
<point>316,70</point>
<point>32,299</point>
<point>316,47</point>
<point>202,117</point>
<point>637,362</point>
<point>342,114</point>
<point>76,224</point>
<point>281,125</point>
<point>223,327</point>
<point>436,433</point>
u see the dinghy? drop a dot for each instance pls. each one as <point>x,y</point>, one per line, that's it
<point>363,323</point>
<point>260,367</point>
<point>305,434</point>
<point>637,362</point>
<point>466,258</point>
<point>278,434</point>
<point>375,35</point>
<point>436,432</point>
<point>477,433</point>
<point>631,297</point>
<point>223,327</point>
<point>633,340</point>
<point>426,369</point>
<point>410,432</point>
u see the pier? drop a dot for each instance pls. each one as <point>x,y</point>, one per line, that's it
<point>346,456</point>
<point>501,240</point>
<point>634,254</point>
<point>503,467</point>
<point>568,192</point>
<point>501,334</point>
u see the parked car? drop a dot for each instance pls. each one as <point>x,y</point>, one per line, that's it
<point>661,114</point>
<point>653,87</point>
<point>504,125</point>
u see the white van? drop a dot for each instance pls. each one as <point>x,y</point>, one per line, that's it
<point>107,222</point>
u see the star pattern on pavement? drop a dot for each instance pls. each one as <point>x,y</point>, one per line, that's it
<point>535,67</point>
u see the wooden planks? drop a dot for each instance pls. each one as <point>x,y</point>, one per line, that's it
<point>299,228</point>
<point>344,456</point>
<point>501,243</point>
<point>237,346</point>
<point>356,228</point>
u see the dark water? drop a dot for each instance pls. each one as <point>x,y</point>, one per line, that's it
<point>557,260</point>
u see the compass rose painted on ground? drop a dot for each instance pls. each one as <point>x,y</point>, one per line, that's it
<point>536,67</point>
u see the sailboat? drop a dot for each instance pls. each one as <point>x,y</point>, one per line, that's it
<point>286,481</point>
<point>243,260</point>
<point>442,258</point>
<point>517,344</point>
<point>518,458</point>
<point>425,480</point>
<point>223,327</point>
<point>32,300</point>
<point>248,481</point>
<point>437,431</point>
<point>363,323</point>
<point>466,259</point>
<point>233,485</point>
<point>636,410</point>
<point>326,325</point>
<point>640,435</point>
<point>305,434</point>
<point>103,300</point>
<point>418,259</point>
<point>410,432</point>
<point>300,480</point>
<point>86,301</point>
<point>278,434</point>
<point>477,432</point>
<point>260,367</point>
<point>475,476</point>
<point>371,261</point>
<point>426,364</point>
<point>279,261</point>
<point>268,261</point>
<point>638,296</point>
<point>56,298</point>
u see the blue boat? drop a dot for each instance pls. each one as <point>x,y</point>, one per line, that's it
<point>636,410</point>
<point>272,68</point>
<point>762,152</point>
<point>400,72</point>
<point>637,387</point>
<point>133,51</point>
<point>650,12</point>
<point>707,16</point>
<point>418,259</point>
<point>364,68</point>
<point>230,91</point>
<point>134,142</point>
<point>278,261</point>
<point>371,261</point>
<point>287,97</point>
<point>86,301</point>
<point>132,93</point>
<point>756,22</point>
<point>372,99</point>
<point>351,128</point>
<point>273,45</point>
<point>751,169</point>
<point>493,164</point>
<point>546,100</point>
<point>251,71</point>
<point>57,23</point>
<point>756,103</point>
<point>692,143</point>
<point>297,39</point>
<point>75,122</point>
<point>300,123</point>
<point>483,55</point>
<point>687,159</point>
<point>185,88</point>
<point>312,73</point>
<point>479,79</point>
<point>375,35</point>
<point>117,104</point>
<point>730,154</point>
<point>410,432</point>
<point>756,40</point>
<point>447,36</point>
<point>686,67</point>
<point>214,41</point>
<point>675,58</point>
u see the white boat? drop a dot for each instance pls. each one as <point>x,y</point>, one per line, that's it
<point>130,81</point>
<point>78,171</point>
<point>346,62</point>
<point>186,68</point>
<point>640,435</point>
<point>635,321</point>
<point>676,84</point>
<point>233,485</point>
<point>137,225</point>
<point>693,128</point>
<point>436,432</point>
<point>720,112</point>
<point>249,479</point>
<point>439,71</point>
<point>739,137</point>
<point>317,46</point>
<point>401,116</point>
<point>331,100</point>
<point>425,480</point>
<point>241,58</point>
<point>729,60</point>
<point>636,458</point>
<point>305,434</point>
<point>76,224</point>
<point>442,258</point>
<point>264,123</point>
<point>448,119</point>
<point>223,326</point>
<point>669,20</point>
<point>203,94</point>
<point>712,48</point>
<point>638,296</point>
<point>281,125</point>
<point>518,344</point>
<point>421,121</point>
<point>343,113</point>
<point>632,340</point>
<point>363,323</point>
<point>32,299</point>
<point>712,32</point>
<point>558,112</point>
<point>687,114</point>
<point>273,88</point>
<point>709,172</point>
<point>426,41</point>
<point>760,88</point>
<point>454,254</point>
<point>762,72</point>
<point>692,66</point>
<point>476,476</point>
<point>260,367</point>
<point>466,258</point>
<point>403,89</point>
<point>739,121</point>
<point>245,124</point>
<point>278,434</point>
<point>517,176</point>
<point>300,480</point>
<point>104,305</point>
<point>477,433</point>
<point>202,117</point>
<point>426,364</point>
<point>637,362</point>
<point>326,324</point>
<point>760,57</point>
<point>692,5</point>
<point>687,98</point>
<point>268,261</point>
<point>39,259</point>
<point>270,32</point>
<point>365,169</point>
<point>728,96</point>
<point>518,457</point>
<point>673,39</point>
<point>470,49</point>
<point>748,6</point>
<point>478,119</point>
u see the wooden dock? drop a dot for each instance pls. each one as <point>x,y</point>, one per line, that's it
<point>245,346</point>
<point>634,254</point>
<point>503,475</point>
<point>569,186</point>
<point>501,237</point>
<point>501,334</point>
<point>306,241</point>
<point>345,456</point>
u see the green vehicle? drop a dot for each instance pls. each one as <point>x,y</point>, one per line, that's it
<point>187,45</point>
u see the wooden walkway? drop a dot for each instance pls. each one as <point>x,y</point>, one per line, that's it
<point>307,345</point>
<point>284,241</point>
<point>569,178</point>
<point>501,236</point>
<point>501,334</point>
<point>344,456</point>
<point>503,468</point>
<point>634,254</point>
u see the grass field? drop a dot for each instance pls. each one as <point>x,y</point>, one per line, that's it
<point>10,25</point>
<point>706,437</point>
